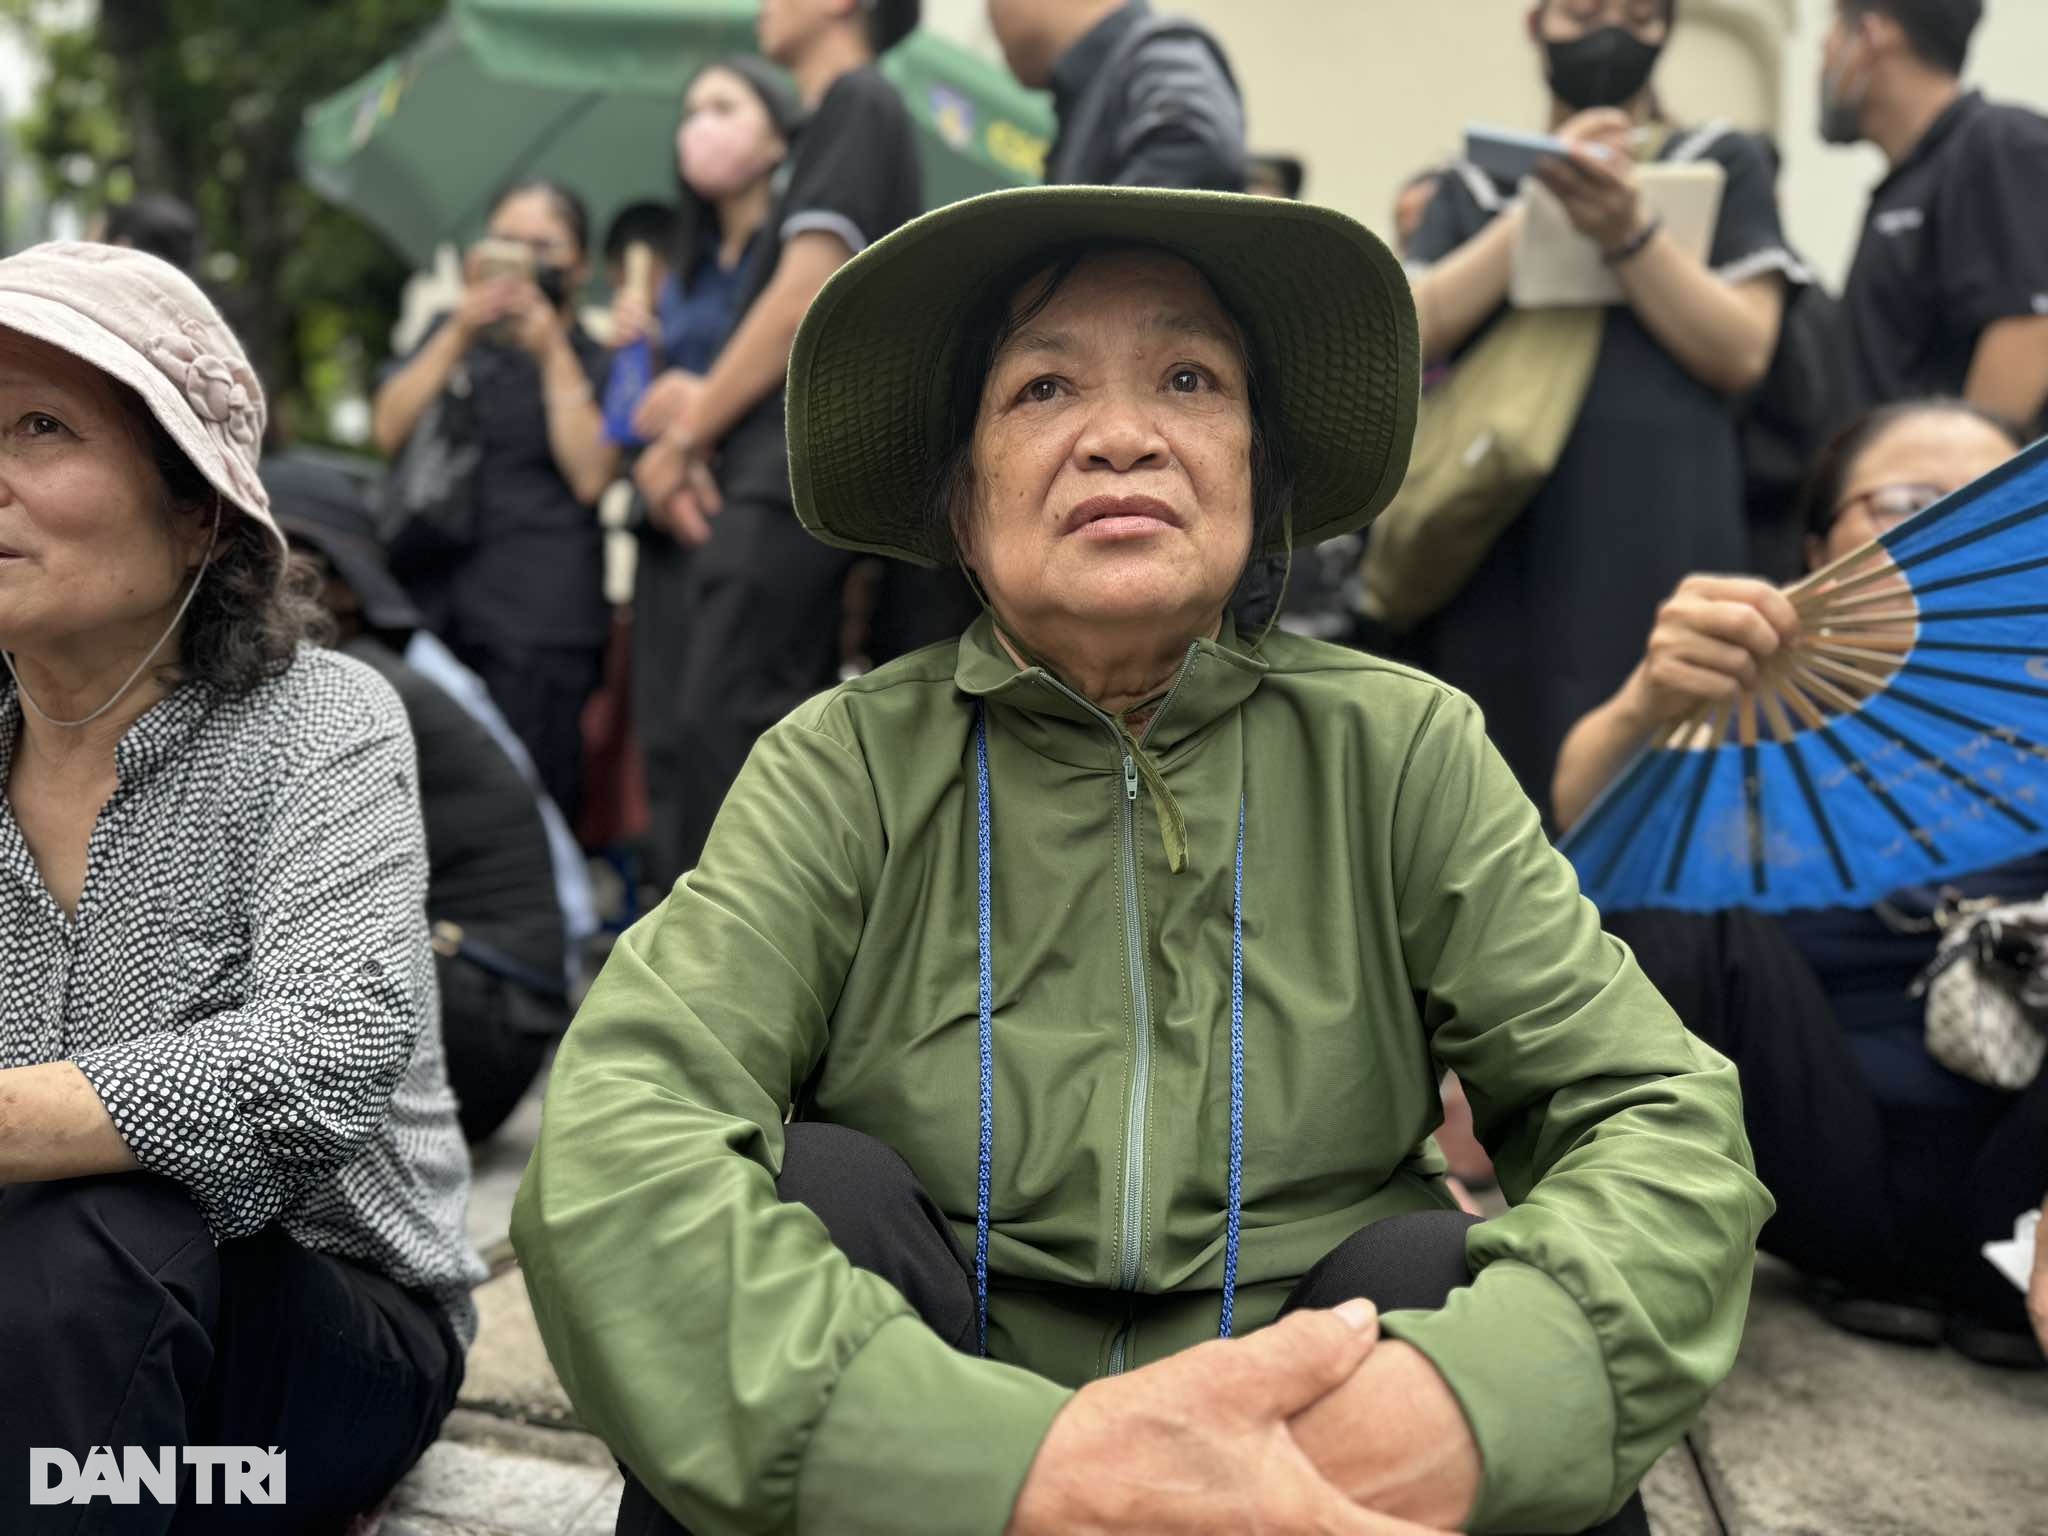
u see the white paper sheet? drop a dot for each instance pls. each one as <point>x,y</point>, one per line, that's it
<point>2015,1257</point>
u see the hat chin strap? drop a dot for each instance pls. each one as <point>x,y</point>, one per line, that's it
<point>1286,576</point>
<point>170,629</point>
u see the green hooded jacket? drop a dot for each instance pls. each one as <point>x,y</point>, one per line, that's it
<point>1403,913</point>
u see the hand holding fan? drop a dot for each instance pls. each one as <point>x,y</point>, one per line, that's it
<point>1901,738</point>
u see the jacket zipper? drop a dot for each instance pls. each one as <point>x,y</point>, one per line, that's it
<point>1130,1258</point>
<point>1128,1261</point>
<point>1141,1069</point>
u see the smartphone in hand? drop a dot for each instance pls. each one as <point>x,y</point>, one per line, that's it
<point>1507,154</point>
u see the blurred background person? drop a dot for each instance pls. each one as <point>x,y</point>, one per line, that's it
<point>499,933</point>
<point>523,605</point>
<point>762,598</point>
<point>738,118</point>
<point>1891,1171</point>
<point>164,226</point>
<point>737,123</point>
<point>650,230</point>
<point>1142,100</point>
<point>1949,291</point>
<point>229,1162</point>
<point>651,227</point>
<point>1783,425</point>
<point>1649,484</point>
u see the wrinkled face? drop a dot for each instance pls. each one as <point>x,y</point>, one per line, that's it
<point>86,545</point>
<point>1112,454</point>
<point>1913,465</point>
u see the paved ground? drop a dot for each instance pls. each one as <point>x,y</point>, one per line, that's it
<point>1815,1434</point>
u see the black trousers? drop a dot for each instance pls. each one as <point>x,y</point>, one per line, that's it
<point>122,1324</point>
<point>661,641</point>
<point>882,1219</point>
<point>541,691</point>
<point>496,1034</point>
<point>731,637</point>
<point>759,635</point>
<point>1893,1203</point>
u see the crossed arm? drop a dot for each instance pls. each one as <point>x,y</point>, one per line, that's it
<point>674,473</point>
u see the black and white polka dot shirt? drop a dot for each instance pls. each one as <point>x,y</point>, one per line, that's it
<point>247,981</point>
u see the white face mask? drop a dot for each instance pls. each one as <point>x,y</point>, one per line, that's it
<point>170,629</point>
<point>720,156</point>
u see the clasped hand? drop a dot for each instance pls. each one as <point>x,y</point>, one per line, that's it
<point>1314,1425</point>
<point>672,473</point>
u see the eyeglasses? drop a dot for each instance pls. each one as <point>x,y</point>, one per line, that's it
<point>1890,505</point>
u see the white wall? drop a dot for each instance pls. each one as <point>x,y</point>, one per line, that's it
<point>1369,90</point>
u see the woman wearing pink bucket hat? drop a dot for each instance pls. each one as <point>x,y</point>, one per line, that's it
<point>231,1181</point>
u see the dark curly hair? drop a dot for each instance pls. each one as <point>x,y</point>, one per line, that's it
<point>255,605</point>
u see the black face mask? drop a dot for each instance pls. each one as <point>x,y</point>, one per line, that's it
<point>553,283</point>
<point>1601,69</point>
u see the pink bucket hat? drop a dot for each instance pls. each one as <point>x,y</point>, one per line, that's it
<point>143,322</point>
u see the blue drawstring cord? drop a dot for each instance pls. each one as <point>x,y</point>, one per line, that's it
<point>1234,1215</point>
<point>988,1044</point>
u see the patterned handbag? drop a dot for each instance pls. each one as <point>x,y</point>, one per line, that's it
<point>1987,995</point>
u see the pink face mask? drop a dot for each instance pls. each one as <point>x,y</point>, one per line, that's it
<point>719,156</point>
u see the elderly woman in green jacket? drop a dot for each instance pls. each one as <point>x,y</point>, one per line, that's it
<point>1052,1001</point>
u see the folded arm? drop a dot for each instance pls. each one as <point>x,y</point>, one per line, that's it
<point>1609,1300</point>
<point>53,1126</point>
<point>752,365</point>
<point>297,1078</point>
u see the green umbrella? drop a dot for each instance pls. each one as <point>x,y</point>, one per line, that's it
<point>586,92</point>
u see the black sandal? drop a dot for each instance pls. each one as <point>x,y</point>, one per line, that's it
<point>2007,1348</point>
<point>1918,1322</point>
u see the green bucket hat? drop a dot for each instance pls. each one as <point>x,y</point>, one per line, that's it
<point>1324,305</point>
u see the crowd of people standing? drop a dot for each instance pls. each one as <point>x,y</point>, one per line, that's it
<point>351,730</point>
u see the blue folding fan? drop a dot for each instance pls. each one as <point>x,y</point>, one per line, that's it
<point>1903,739</point>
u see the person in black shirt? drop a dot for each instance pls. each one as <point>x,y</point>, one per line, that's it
<point>1648,487</point>
<point>1949,291</point>
<point>501,955</point>
<point>1142,100</point>
<point>523,607</point>
<point>763,597</point>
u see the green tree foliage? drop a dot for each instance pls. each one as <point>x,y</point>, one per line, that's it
<point>203,99</point>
